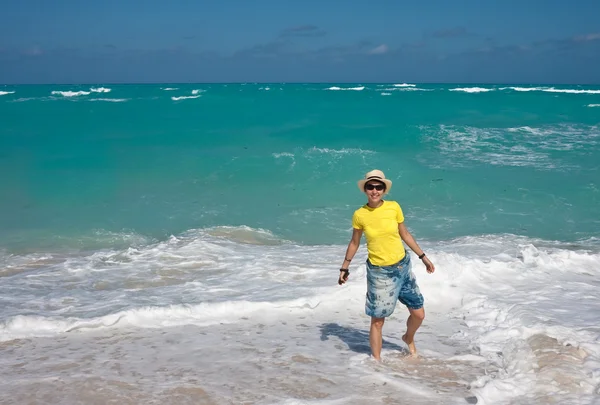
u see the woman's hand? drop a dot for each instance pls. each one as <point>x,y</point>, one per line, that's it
<point>428,265</point>
<point>344,274</point>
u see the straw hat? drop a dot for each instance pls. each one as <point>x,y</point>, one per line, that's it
<point>375,175</point>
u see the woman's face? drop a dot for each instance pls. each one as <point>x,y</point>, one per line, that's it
<point>374,191</point>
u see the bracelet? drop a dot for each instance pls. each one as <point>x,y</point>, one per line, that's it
<point>348,260</point>
<point>348,270</point>
<point>421,256</point>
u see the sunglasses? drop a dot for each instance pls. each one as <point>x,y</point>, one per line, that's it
<point>378,187</point>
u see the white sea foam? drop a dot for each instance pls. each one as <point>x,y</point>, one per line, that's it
<point>22,99</point>
<point>184,97</point>
<point>4,93</point>
<point>524,89</point>
<point>335,88</point>
<point>405,85</point>
<point>522,146</point>
<point>510,320</point>
<point>195,94</point>
<point>312,157</point>
<point>552,90</point>
<point>100,90</point>
<point>70,93</point>
<point>11,264</point>
<point>286,155</point>
<point>472,89</point>
<point>111,100</point>
<point>403,89</point>
<point>203,314</point>
<point>169,88</point>
<point>571,91</point>
<point>283,154</point>
<point>386,94</point>
<point>593,105</point>
<point>563,137</point>
<point>344,151</point>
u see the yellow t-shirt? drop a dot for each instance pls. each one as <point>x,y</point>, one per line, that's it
<point>380,226</point>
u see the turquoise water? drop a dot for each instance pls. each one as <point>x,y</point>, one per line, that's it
<point>94,169</point>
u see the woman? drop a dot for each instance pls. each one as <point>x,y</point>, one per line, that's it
<point>389,274</point>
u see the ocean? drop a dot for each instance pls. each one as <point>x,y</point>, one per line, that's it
<point>180,243</point>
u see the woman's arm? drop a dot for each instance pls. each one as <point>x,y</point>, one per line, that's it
<point>350,252</point>
<point>352,247</point>
<point>410,241</point>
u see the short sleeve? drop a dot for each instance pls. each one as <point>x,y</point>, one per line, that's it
<point>356,221</point>
<point>399,214</point>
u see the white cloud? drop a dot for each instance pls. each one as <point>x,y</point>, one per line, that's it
<point>588,37</point>
<point>379,50</point>
<point>33,51</point>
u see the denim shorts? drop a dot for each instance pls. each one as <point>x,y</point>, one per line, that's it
<point>388,284</point>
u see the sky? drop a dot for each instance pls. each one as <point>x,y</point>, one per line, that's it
<point>176,41</point>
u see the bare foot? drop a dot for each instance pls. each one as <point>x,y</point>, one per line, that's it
<point>411,345</point>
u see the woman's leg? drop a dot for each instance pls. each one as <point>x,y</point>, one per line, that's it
<point>375,336</point>
<point>412,324</point>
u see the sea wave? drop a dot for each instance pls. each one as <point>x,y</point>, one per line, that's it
<point>343,151</point>
<point>4,93</point>
<point>552,90</point>
<point>184,97</point>
<point>203,314</point>
<point>472,89</point>
<point>335,88</point>
<point>70,93</point>
<point>22,99</point>
<point>321,158</point>
<point>523,89</point>
<point>100,90</point>
<point>403,89</point>
<point>520,146</point>
<point>111,100</point>
<point>571,91</point>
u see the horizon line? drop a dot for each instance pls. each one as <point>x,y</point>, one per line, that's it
<point>296,82</point>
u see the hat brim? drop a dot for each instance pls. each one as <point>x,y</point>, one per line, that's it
<point>387,182</point>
